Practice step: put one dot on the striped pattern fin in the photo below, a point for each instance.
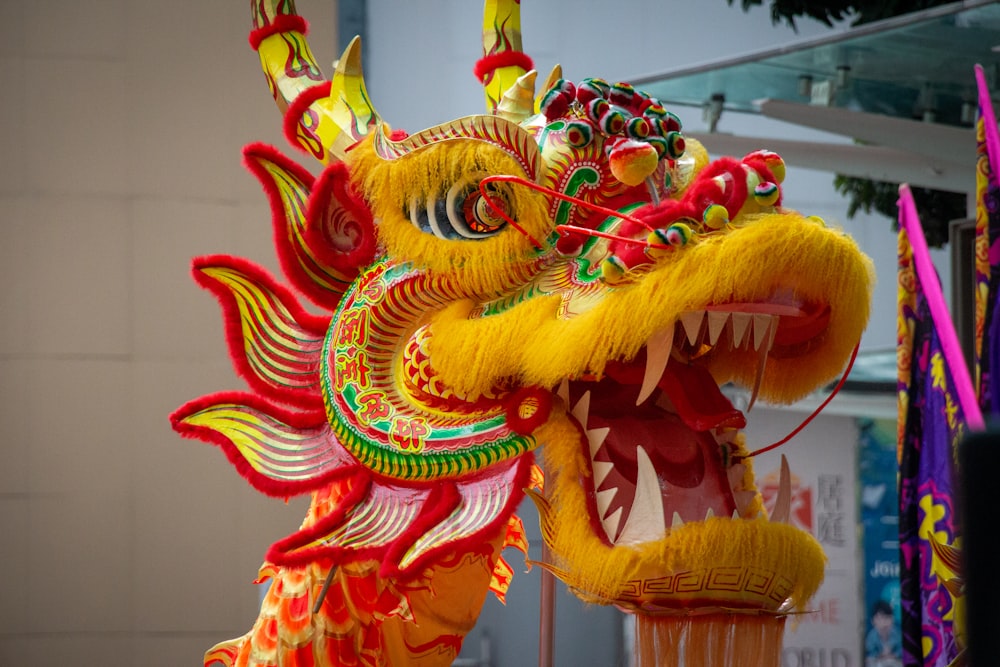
(279, 452)
(484, 502)
(380, 519)
(504, 134)
(288, 186)
(275, 344)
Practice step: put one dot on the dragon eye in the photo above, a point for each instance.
(479, 215)
(463, 213)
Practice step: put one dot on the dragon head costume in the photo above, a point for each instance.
(564, 274)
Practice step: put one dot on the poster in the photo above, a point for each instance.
(823, 462)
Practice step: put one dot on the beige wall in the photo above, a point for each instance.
(121, 124)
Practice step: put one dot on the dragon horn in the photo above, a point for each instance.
(554, 76)
(503, 61)
(518, 103)
(325, 124)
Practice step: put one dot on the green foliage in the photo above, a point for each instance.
(830, 11)
(936, 208)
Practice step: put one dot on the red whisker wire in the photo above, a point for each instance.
(498, 210)
(819, 408)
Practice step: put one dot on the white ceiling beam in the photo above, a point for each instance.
(932, 140)
(861, 161)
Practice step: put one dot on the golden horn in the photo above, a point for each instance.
(501, 34)
(327, 125)
(348, 108)
(518, 103)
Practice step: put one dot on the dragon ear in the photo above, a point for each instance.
(322, 231)
(339, 226)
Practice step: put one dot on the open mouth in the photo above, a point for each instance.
(661, 433)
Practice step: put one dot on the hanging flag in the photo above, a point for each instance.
(987, 345)
(937, 407)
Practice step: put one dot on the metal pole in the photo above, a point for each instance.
(547, 613)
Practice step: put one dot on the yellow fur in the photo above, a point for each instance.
(481, 267)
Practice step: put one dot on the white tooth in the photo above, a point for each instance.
(736, 515)
(601, 470)
(726, 436)
(692, 324)
(743, 500)
(596, 438)
(610, 524)
(735, 474)
(581, 410)
(769, 343)
(563, 391)
(716, 324)
(709, 514)
(645, 521)
(761, 363)
(677, 521)
(741, 323)
(761, 329)
(783, 503)
(657, 354)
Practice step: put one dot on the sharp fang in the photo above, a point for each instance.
(736, 515)
(784, 501)
(692, 324)
(716, 325)
(709, 514)
(595, 437)
(563, 391)
(741, 323)
(581, 411)
(761, 363)
(657, 354)
(646, 520)
(762, 325)
(610, 524)
(677, 521)
(735, 475)
(743, 500)
(601, 470)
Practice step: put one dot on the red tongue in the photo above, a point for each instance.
(697, 398)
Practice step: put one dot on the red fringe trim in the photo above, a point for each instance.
(333, 187)
(282, 23)
(314, 324)
(286, 254)
(485, 65)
